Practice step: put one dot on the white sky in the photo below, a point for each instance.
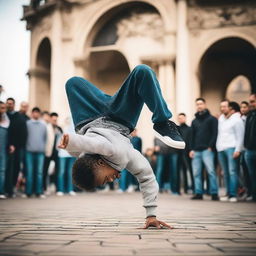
(14, 50)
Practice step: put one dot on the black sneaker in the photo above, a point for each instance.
(197, 197)
(215, 197)
(168, 133)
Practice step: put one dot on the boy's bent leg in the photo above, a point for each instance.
(141, 86)
(86, 101)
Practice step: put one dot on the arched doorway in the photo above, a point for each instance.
(43, 75)
(222, 62)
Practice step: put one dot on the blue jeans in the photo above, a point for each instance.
(34, 173)
(205, 157)
(168, 162)
(3, 158)
(160, 167)
(126, 180)
(174, 172)
(250, 159)
(230, 167)
(64, 177)
(87, 102)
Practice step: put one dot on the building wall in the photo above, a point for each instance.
(173, 42)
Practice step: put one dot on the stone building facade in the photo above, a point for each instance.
(196, 47)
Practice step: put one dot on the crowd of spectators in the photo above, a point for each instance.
(220, 151)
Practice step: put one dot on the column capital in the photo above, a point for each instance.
(158, 59)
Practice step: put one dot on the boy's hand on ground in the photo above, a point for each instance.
(153, 222)
(64, 141)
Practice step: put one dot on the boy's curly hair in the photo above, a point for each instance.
(83, 172)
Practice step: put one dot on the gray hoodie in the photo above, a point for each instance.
(111, 141)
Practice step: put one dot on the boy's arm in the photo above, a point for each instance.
(76, 144)
(141, 169)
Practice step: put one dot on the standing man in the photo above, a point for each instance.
(24, 106)
(17, 138)
(246, 183)
(35, 149)
(51, 153)
(204, 134)
(229, 146)
(4, 124)
(184, 161)
(250, 143)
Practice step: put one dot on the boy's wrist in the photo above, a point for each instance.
(150, 211)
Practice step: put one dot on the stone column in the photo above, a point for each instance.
(183, 94)
(166, 79)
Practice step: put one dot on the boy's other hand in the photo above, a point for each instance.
(64, 141)
(153, 222)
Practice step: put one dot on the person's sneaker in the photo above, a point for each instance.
(197, 197)
(119, 191)
(3, 197)
(215, 197)
(249, 198)
(168, 133)
(224, 198)
(42, 196)
(130, 189)
(72, 193)
(233, 199)
(59, 193)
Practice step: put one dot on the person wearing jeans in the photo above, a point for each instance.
(65, 163)
(204, 133)
(4, 124)
(250, 144)
(34, 174)
(229, 146)
(64, 176)
(35, 149)
(167, 166)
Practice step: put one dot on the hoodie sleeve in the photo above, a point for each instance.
(87, 144)
(141, 169)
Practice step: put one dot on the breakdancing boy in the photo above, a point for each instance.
(103, 124)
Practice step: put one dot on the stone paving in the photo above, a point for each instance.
(110, 224)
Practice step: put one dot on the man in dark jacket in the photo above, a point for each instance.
(17, 138)
(204, 134)
(250, 143)
(184, 161)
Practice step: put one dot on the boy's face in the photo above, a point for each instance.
(105, 173)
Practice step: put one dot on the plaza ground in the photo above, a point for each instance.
(109, 224)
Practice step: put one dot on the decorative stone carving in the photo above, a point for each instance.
(205, 18)
(141, 24)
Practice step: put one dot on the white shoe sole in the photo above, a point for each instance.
(169, 142)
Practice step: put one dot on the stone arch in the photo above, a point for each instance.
(224, 60)
(42, 75)
(87, 25)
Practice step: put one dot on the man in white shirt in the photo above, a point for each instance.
(229, 146)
